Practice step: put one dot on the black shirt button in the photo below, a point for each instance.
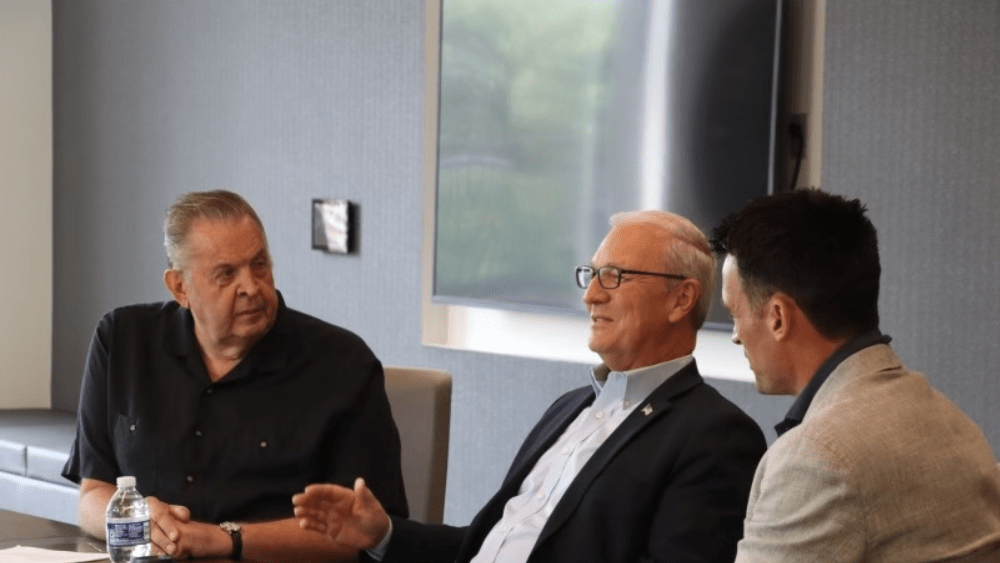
(190, 478)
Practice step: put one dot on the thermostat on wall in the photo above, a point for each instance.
(332, 223)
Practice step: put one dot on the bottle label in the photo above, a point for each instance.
(125, 533)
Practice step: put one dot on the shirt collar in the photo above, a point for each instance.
(638, 383)
(797, 412)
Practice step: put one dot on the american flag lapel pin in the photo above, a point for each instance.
(647, 410)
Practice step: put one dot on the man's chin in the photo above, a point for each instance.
(596, 346)
(764, 386)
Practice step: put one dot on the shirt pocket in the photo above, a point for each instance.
(137, 452)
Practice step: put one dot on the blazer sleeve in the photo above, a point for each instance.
(414, 542)
(803, 508)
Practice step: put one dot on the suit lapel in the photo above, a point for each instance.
(546, 435)
(538, 442)
(655, 406)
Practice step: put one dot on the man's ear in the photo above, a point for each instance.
(684, 298)
(174, 280)
(781, 315)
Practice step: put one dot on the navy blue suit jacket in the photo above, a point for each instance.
(670, 485)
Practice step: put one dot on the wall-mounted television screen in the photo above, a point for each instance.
(555, 115)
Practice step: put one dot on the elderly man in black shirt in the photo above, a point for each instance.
(225, 402)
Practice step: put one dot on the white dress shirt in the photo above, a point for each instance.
(618, 394)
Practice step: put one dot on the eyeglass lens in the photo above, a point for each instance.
(608, 277)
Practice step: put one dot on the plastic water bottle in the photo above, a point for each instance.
(127, 520)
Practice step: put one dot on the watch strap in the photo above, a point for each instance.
(237, 536)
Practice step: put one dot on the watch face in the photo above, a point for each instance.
(230, 527)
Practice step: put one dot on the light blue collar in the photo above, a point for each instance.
(634, 385)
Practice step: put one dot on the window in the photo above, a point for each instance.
(555, 115)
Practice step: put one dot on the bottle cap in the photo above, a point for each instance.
(125, 482)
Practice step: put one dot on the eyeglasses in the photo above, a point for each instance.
(610, 277)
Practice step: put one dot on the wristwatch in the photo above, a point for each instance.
(234, 532)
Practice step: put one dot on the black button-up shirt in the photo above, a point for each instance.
(306, 405)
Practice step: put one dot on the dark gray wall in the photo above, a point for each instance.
(912, 126)
(285, 101)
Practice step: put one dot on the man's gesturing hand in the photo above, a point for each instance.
(354, 518)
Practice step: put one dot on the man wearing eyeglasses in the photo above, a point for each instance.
(645, 463)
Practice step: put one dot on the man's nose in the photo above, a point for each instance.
(595, 292)
(248, 284)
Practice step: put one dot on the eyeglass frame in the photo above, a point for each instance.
(595, 273)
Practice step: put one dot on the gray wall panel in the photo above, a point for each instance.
(912, 126)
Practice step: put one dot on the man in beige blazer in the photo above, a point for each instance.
(871, 463)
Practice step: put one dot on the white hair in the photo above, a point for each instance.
(687, 253)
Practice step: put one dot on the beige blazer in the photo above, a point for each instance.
(882, 469)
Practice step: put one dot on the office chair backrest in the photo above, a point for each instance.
(421, 405)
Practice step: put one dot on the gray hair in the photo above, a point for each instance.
(216, 205)
(688, 252)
